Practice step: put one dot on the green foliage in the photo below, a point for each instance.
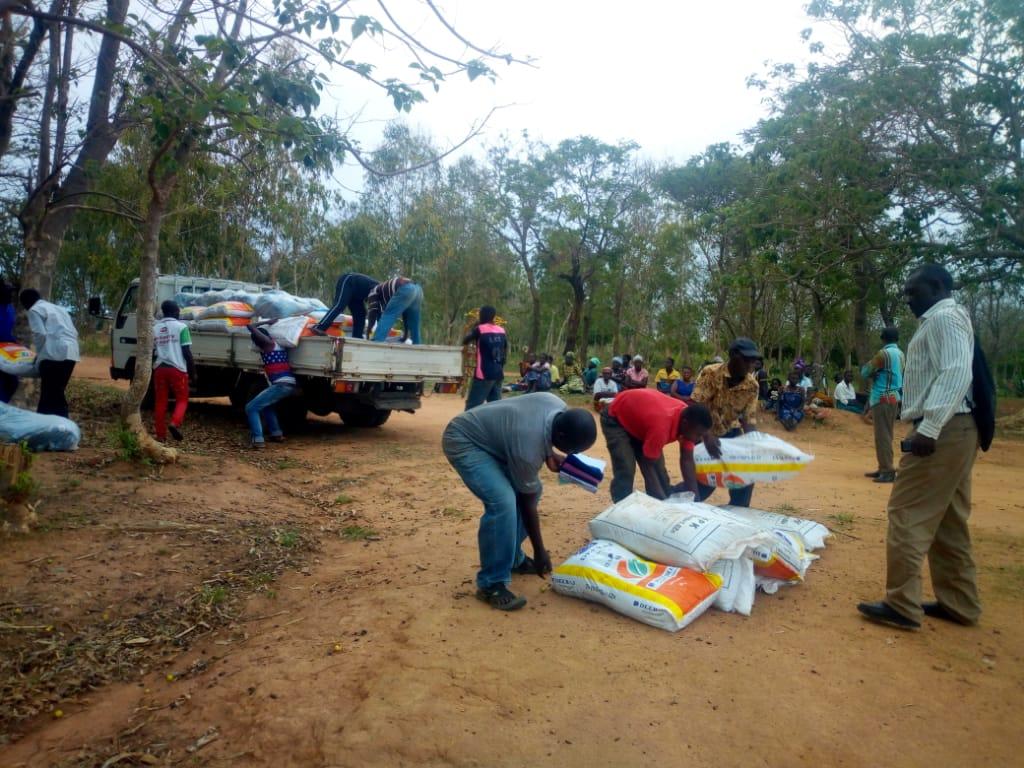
(127, 444)
(357, 533)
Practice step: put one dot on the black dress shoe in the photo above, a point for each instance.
(938, 611)
(876, 473)
(885, 477)
(881, 613)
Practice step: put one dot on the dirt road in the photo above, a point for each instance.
(377, 654)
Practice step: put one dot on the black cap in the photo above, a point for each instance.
(745, 347)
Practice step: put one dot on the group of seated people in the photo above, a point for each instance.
(799, 396)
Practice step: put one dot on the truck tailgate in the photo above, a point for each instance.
(371, 361)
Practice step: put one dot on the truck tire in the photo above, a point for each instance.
(364, 417)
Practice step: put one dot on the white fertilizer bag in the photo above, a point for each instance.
(287, 332)
(690, 535)
(813, 533)
(785, 559)
(277, 304)
(660, 595)
(738, 585)
(755, 457)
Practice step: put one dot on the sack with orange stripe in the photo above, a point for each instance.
(664, 596)
(755, 457)
(16, 360)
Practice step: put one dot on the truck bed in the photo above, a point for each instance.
(338, 359)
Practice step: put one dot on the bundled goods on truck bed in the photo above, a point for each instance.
(274, 305)
(224, 324)
(40, 432)
(214, 297)
(662, 541)
(755, 457)
(663, 596)
(239, 309)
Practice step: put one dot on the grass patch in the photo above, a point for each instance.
(842, 519)
(287, 463)
(454, 513)
(343, 498)
(126, 443)
(213, 595)
(286, 539)
(785, 509)
(357, 533)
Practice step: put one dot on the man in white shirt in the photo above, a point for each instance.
(56, 342)
(845, 395)
(931, 498)
(605, 388)
(172, 369)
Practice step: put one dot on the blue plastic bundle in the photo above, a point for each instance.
(39, 431)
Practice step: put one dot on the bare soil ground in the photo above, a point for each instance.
(312, 605)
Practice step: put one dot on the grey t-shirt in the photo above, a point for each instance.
(516, 432)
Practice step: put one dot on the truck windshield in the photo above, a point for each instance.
(127, 306)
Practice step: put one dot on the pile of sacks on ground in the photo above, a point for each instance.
(232, 310)
(667, 562)
(38, 431)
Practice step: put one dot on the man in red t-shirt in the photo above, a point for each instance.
(637, 425)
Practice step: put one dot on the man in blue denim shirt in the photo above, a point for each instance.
(498, 449)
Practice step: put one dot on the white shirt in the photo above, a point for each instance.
(53, 334)
(169, 336)
(939, 368)
(845, 392)
(601, 386)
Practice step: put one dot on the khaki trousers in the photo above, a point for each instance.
(883, 417)
(928, 511)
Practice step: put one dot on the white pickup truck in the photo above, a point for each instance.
(361, 381)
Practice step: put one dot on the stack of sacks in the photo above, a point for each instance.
(214, 297)
(738, 549)
(585, 471)
(755, 457)
(225, 316)
(342, 326)
(188, 314)
(275, 305)
(16, 360)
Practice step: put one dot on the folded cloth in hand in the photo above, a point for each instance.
(583, 470)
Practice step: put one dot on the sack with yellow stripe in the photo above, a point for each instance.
(755, 457)
(663, 596)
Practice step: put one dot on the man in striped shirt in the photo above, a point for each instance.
(931, 499)
(398, 297)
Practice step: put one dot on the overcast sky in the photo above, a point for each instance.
(668, 74)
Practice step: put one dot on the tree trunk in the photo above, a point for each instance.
(585, 341)
(620, 297)
(572, 331)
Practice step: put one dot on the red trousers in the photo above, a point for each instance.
(169, 379)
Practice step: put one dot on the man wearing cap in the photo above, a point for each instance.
(637, 426)
(729, 390)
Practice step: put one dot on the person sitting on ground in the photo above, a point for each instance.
(591, 372)
(845, 396)
(556, 376)
(497, 451)
(538, 379)
(173, 367)
(618, 372)
(806, 383)
(572, 381)
(350, 292)
(281, 384)
(491, 352)
(682, 388)
(605, 389)
(397, 298)
(664, 378)
(791, 402)
(527, 362)
(637, 426)
(636, 376)
(761, 374)
(774, 393)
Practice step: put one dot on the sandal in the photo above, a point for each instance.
(526, 568)
(501, 598)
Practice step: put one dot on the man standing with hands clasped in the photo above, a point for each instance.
(931, 498)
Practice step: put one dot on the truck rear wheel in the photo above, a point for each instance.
(364, 417)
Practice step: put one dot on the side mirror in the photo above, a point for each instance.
(95, 306)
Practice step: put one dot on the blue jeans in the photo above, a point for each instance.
(483, 390)
(407, 304)
(501, 531)
(264, 403)
(738, 497)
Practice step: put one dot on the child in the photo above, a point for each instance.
(791, 402)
